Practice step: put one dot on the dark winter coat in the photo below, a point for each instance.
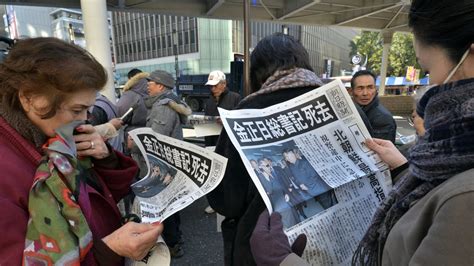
(227, 100)
(381, 120)
(167, 114)
(135, 90)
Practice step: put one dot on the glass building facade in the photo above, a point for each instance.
(187, 45)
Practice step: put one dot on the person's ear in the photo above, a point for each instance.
(350, 91)
(24, 101)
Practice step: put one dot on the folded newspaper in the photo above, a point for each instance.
(178, 174)
(308, 160)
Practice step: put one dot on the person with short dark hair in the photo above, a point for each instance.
(427, 218)
(277, 59)
(364, 94)
(60, 181)
(133, 72)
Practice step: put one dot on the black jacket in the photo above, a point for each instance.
(381, 120)
(227, 100)
(236, 197)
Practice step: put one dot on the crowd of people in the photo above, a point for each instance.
(67, 158)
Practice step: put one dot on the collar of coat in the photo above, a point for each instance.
(134, 80)
(372, 104)
(287, 79)
(217, 99)
(169, 98)
(18, 121)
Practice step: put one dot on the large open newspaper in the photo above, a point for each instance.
(308, 160)
(178, 174)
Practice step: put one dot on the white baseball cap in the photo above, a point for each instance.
(215, 77)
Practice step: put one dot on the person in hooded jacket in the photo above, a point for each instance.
(166, 115)
(134, 93)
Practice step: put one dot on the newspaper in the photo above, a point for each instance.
(178, 174)
(308, 160)
(205, 125)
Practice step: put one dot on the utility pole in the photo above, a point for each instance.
(175, 51)
(246, 47)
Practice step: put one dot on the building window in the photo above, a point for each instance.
(193, 40)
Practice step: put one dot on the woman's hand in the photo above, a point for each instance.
(116, 122)
(90, 143)
(133, 240)
(269, 244)
(387, 152)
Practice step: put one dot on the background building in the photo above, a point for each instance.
(66, 24)
(177, 44)
(186, 45)
(26, 21)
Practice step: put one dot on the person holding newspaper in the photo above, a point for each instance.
(166, 115)
(280, 70)
(60, 181)
(427, 218)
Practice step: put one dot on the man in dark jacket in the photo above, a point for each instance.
(220, 97)
(364, 94)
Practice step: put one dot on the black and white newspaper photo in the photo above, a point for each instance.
(308, 160)
(178, 174)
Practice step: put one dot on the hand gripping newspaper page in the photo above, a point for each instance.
(308, 160)
(178, 174)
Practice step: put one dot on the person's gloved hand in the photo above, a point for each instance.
(269, 244)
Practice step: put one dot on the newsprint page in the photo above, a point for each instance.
(308, 160)
(178, 174)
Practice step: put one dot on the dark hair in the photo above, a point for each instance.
(444, 23)
(362, 73)
(276, 52)
(48, 67)
(133, 72)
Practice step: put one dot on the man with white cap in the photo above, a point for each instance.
(220, 97)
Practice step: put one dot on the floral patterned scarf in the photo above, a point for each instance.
(57, 231)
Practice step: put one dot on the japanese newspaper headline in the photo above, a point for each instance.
(308, 160)
(178, 174)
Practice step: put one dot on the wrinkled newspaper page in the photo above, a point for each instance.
(308, 160)
(178, 174)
